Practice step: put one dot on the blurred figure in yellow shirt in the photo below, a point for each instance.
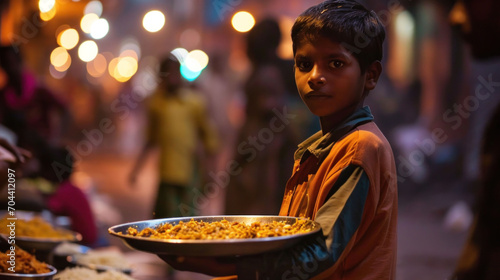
(177, 122)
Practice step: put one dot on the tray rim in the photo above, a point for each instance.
(52, 272)
(195, 241)
(138, 243)
(77, 237)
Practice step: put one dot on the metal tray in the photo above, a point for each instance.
(18, 276)
(210, 248)
(43, 244)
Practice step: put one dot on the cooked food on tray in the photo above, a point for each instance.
(36, 228)
(83, 273)
(25, 263)
(200, 230)
(215, 236)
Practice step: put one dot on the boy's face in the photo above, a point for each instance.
(329, 78)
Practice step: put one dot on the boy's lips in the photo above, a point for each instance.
(316, 94)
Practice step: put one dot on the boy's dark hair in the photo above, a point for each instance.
(344, 21)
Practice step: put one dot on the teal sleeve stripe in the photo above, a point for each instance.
(350, 218)
(345, 174)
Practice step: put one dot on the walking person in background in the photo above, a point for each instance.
(224, 99)
(177, 122)
(262, 157)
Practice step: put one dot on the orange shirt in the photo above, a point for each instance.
(346, 181)
(352, 193)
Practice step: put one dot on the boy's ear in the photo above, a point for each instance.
(373, 72)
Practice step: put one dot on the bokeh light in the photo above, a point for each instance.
(199, 57)
(48, 15)
(46, 5)
(87, 21)
(93, 7)
(190, 38)
(130, 45)
(56, 74)
(88, 51)
(65, 66)
(68, 38)
(122, 68)
(59, 56)
(243, 21)
(188, 74)
(180, 54)
(99, 28)
(60, 29)
(97, 67)
(127, 67)
(153, 21)
(112, 66)
(130, 53)
(405, 24)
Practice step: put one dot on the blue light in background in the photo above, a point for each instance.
(188, 74)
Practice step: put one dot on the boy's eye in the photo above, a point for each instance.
(304, 65)
(336, 64)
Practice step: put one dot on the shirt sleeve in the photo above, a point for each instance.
(339, 217)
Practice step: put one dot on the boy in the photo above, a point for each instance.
(344, 176)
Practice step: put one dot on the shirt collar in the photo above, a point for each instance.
(320, 145)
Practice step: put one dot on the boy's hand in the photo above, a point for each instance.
(206, 265)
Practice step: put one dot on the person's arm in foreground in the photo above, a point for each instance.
(11, 157)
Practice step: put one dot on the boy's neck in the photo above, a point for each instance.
(328, 123)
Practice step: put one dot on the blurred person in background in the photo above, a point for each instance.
(28, 108)
(177, 123)
(224, 100)
(479, 23)
(67, 199)
(264, 146)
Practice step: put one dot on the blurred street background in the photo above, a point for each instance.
(94, 64)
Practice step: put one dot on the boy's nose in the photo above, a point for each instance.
(316, 78)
